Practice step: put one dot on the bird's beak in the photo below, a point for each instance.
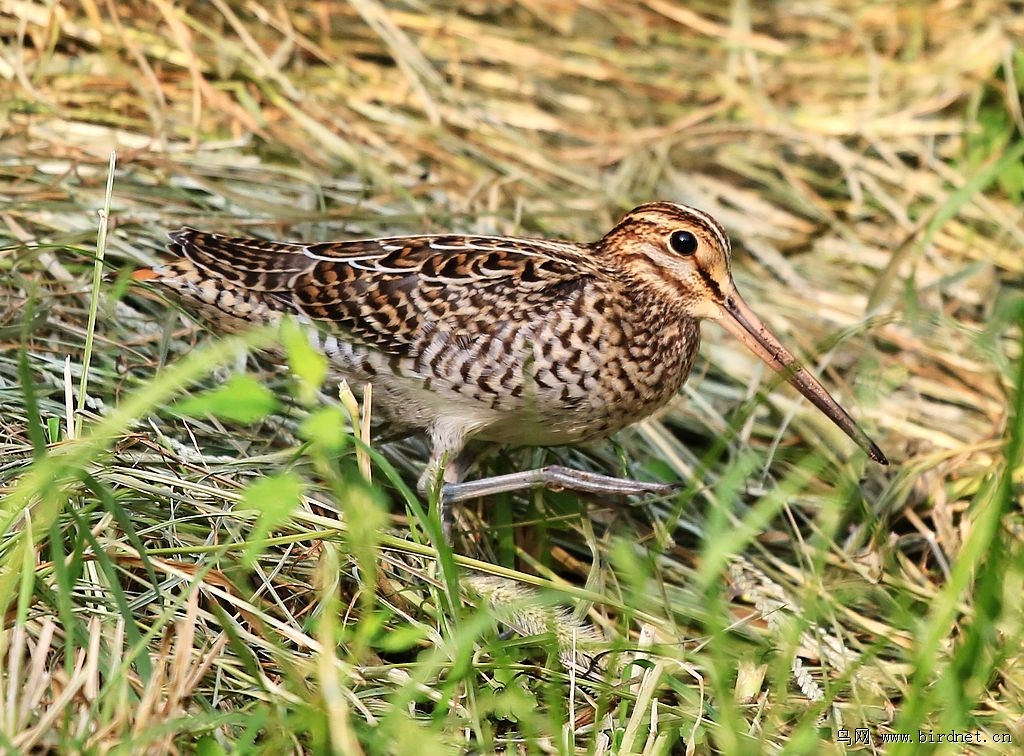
(739, 320)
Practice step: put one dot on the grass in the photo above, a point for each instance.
(198, 569)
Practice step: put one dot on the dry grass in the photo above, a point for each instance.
(183, 582)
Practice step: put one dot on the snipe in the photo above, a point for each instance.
(508, 340)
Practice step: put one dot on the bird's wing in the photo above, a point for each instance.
(385, 292)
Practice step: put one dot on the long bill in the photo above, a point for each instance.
(739, 320)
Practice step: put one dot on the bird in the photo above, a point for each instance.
(508, 340)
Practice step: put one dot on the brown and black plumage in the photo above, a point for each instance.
(511, 340)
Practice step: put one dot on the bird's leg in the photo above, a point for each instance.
(447, 450)
(555, 478)
(454, 468)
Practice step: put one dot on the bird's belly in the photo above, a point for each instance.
(538, 394)
(559, 416)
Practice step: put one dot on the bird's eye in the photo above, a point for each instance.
(683, 243)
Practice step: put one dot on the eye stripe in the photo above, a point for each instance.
(711, 283)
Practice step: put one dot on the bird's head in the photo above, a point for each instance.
(681, 255)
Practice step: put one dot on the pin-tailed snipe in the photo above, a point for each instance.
(509, 340)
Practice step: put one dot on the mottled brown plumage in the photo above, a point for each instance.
(516, 341)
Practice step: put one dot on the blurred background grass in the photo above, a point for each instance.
(191, 582)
